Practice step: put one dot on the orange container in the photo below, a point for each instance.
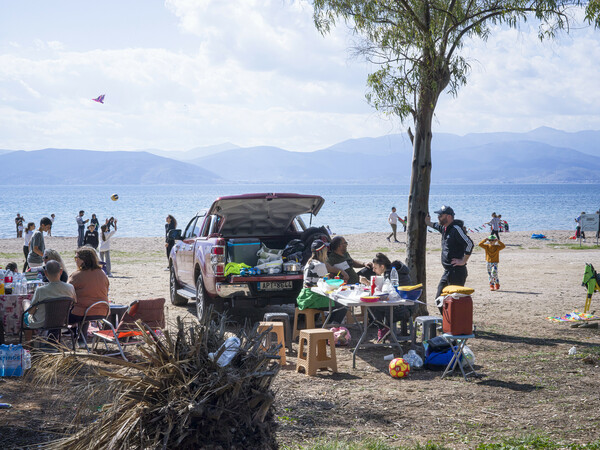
(457, 315)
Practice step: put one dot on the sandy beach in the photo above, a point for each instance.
(528, 382)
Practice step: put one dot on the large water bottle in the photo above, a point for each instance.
(394, 277)
(232, 347)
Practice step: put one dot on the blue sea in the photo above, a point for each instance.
(141, 210)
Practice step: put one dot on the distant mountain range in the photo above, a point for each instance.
(544, 155)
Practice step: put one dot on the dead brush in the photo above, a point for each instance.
(175, 397)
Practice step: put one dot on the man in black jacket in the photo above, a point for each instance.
(456, 248)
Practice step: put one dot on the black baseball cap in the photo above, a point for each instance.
(445, 210)
(318, 245)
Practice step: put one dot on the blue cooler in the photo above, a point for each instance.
(243, 250)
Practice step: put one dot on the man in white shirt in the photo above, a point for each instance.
(393, 221)
(54, 289)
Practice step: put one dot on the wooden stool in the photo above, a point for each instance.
(277, 328)
(309, 318)
(314, 357)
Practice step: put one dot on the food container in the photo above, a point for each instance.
(292, 267)
(335, 282)
(369, 299)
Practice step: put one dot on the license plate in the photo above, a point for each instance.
(274, 285)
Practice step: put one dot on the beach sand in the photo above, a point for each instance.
(528, 382)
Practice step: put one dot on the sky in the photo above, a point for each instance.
(180, 74)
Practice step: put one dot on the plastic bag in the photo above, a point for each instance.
(230, 347)
(11, 360)
(469, 355)
(413, 359)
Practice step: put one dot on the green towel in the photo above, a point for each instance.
(233, 268)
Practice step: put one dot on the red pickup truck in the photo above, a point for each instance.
(233, 229)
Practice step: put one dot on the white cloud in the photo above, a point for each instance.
(261, 75)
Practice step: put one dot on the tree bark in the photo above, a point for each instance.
(418, 201)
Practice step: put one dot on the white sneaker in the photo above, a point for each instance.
(110, 275)
(166, 269)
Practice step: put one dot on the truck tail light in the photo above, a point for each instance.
(217, 257)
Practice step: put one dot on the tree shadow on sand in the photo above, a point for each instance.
(518, 387)
(541, 341)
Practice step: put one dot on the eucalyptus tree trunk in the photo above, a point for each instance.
(433, 83)
(418, 201)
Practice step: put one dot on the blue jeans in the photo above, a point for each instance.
(81, 231)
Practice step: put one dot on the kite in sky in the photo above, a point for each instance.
(100, 99)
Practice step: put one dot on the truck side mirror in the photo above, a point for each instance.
(175, 235)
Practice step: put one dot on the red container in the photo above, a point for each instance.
(457, 314)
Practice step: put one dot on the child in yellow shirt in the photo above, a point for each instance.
(492, 246)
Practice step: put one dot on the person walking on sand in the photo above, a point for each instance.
(81, 228)
(456, 248)
(35, 258)
(104, 246)
(492, 246)
(19, 221)
(393, 221)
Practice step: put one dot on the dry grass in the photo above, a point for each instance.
(175, 396)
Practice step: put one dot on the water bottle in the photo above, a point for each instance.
(232, 346)
(394, 277)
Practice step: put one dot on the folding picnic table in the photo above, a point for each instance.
(351, 298)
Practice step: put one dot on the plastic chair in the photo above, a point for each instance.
(150, 312)
(56, 315)
(87, 319)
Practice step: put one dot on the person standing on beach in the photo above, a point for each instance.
(495, 224)
(35, 258)
(26, 239)
(456, 248)
(91, 237)
(492, 246)
(94, 221)
(81, 228)
(393, 221)
(104, 247)
(578, 231)
(19, 220)
(404, 222)
(52, 217)
(171, 224)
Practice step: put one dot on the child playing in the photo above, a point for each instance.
(492, 246)
(91, 237)
(104, 248)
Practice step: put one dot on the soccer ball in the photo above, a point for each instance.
(114, 197)
(399, 368)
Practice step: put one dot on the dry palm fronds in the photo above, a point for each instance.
(176, 397)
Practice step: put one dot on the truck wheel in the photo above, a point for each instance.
(176, 299)
(202, 301)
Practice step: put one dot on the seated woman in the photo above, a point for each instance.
(53, 255)
(316, 268)
(383, 266)
(91, 286)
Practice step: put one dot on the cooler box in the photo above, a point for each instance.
(457, 315)
(243, 250)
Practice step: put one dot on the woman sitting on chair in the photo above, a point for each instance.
(315, 268)
(91, 286)
(382, 266)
